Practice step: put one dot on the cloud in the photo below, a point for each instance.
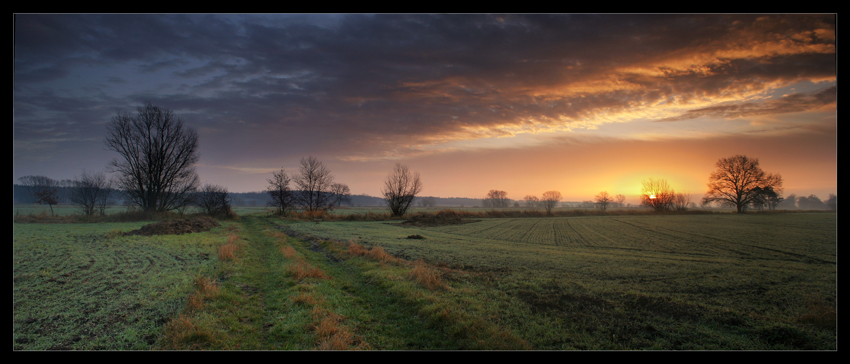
(388, 86)
(787, 104)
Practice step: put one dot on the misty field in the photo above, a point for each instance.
(616, 282)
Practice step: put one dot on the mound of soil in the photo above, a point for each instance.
(176, 227)
(445, 217)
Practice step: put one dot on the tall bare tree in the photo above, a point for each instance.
(620, 200)
(400, 189)
(739, 181)
(549, 200)
(44, 190)
(603, 199)
(91, 190)
(314, 185)
(158, 154)
(282, 196)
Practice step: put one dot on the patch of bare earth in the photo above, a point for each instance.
(176, 227)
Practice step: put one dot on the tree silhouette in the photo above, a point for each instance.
(603, 199)
(282, 196)
(314, 185)
(91, 189)
(739, 181)
(400, 189)
(158, 155)
(549, 200)
(657, 194)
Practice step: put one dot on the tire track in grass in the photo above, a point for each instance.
(575, 236)
(376, 302)
(525, 236)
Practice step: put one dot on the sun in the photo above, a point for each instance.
(652, 196)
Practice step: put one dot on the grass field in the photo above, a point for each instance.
(617, 282)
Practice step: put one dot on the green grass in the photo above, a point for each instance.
(618, 282)
(77, 286)
(718, 281)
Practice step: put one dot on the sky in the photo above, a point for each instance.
(524, 103)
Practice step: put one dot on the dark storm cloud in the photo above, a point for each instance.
(399, 80)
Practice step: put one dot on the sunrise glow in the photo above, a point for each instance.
(520, 103)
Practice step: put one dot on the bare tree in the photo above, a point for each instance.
(314, 185)
(681, 201)
(342, 194)
(531, 201)
(214, 200)
(736, 180)
(400, 189)
(44, 190)
(603, 199)
(549, 200)
(657, 194)
(496, 198)
(620, 200)
(91, 190)
(282, 196)
(158, 156)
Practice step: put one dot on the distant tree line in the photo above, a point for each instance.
(155, 171)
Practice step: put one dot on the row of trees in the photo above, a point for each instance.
(158, 154)
(737, 182)
(315, 190)
(659, 196)
(91, 191)
(499, 198)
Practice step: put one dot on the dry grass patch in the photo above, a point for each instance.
(232, 238)
(183, 330)
(425, 276)
(301, 269)
(377, 253)
(307, 298)
(227, 251)
(356, 249)
(205, 288)
(332, 335)
(288, 252)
